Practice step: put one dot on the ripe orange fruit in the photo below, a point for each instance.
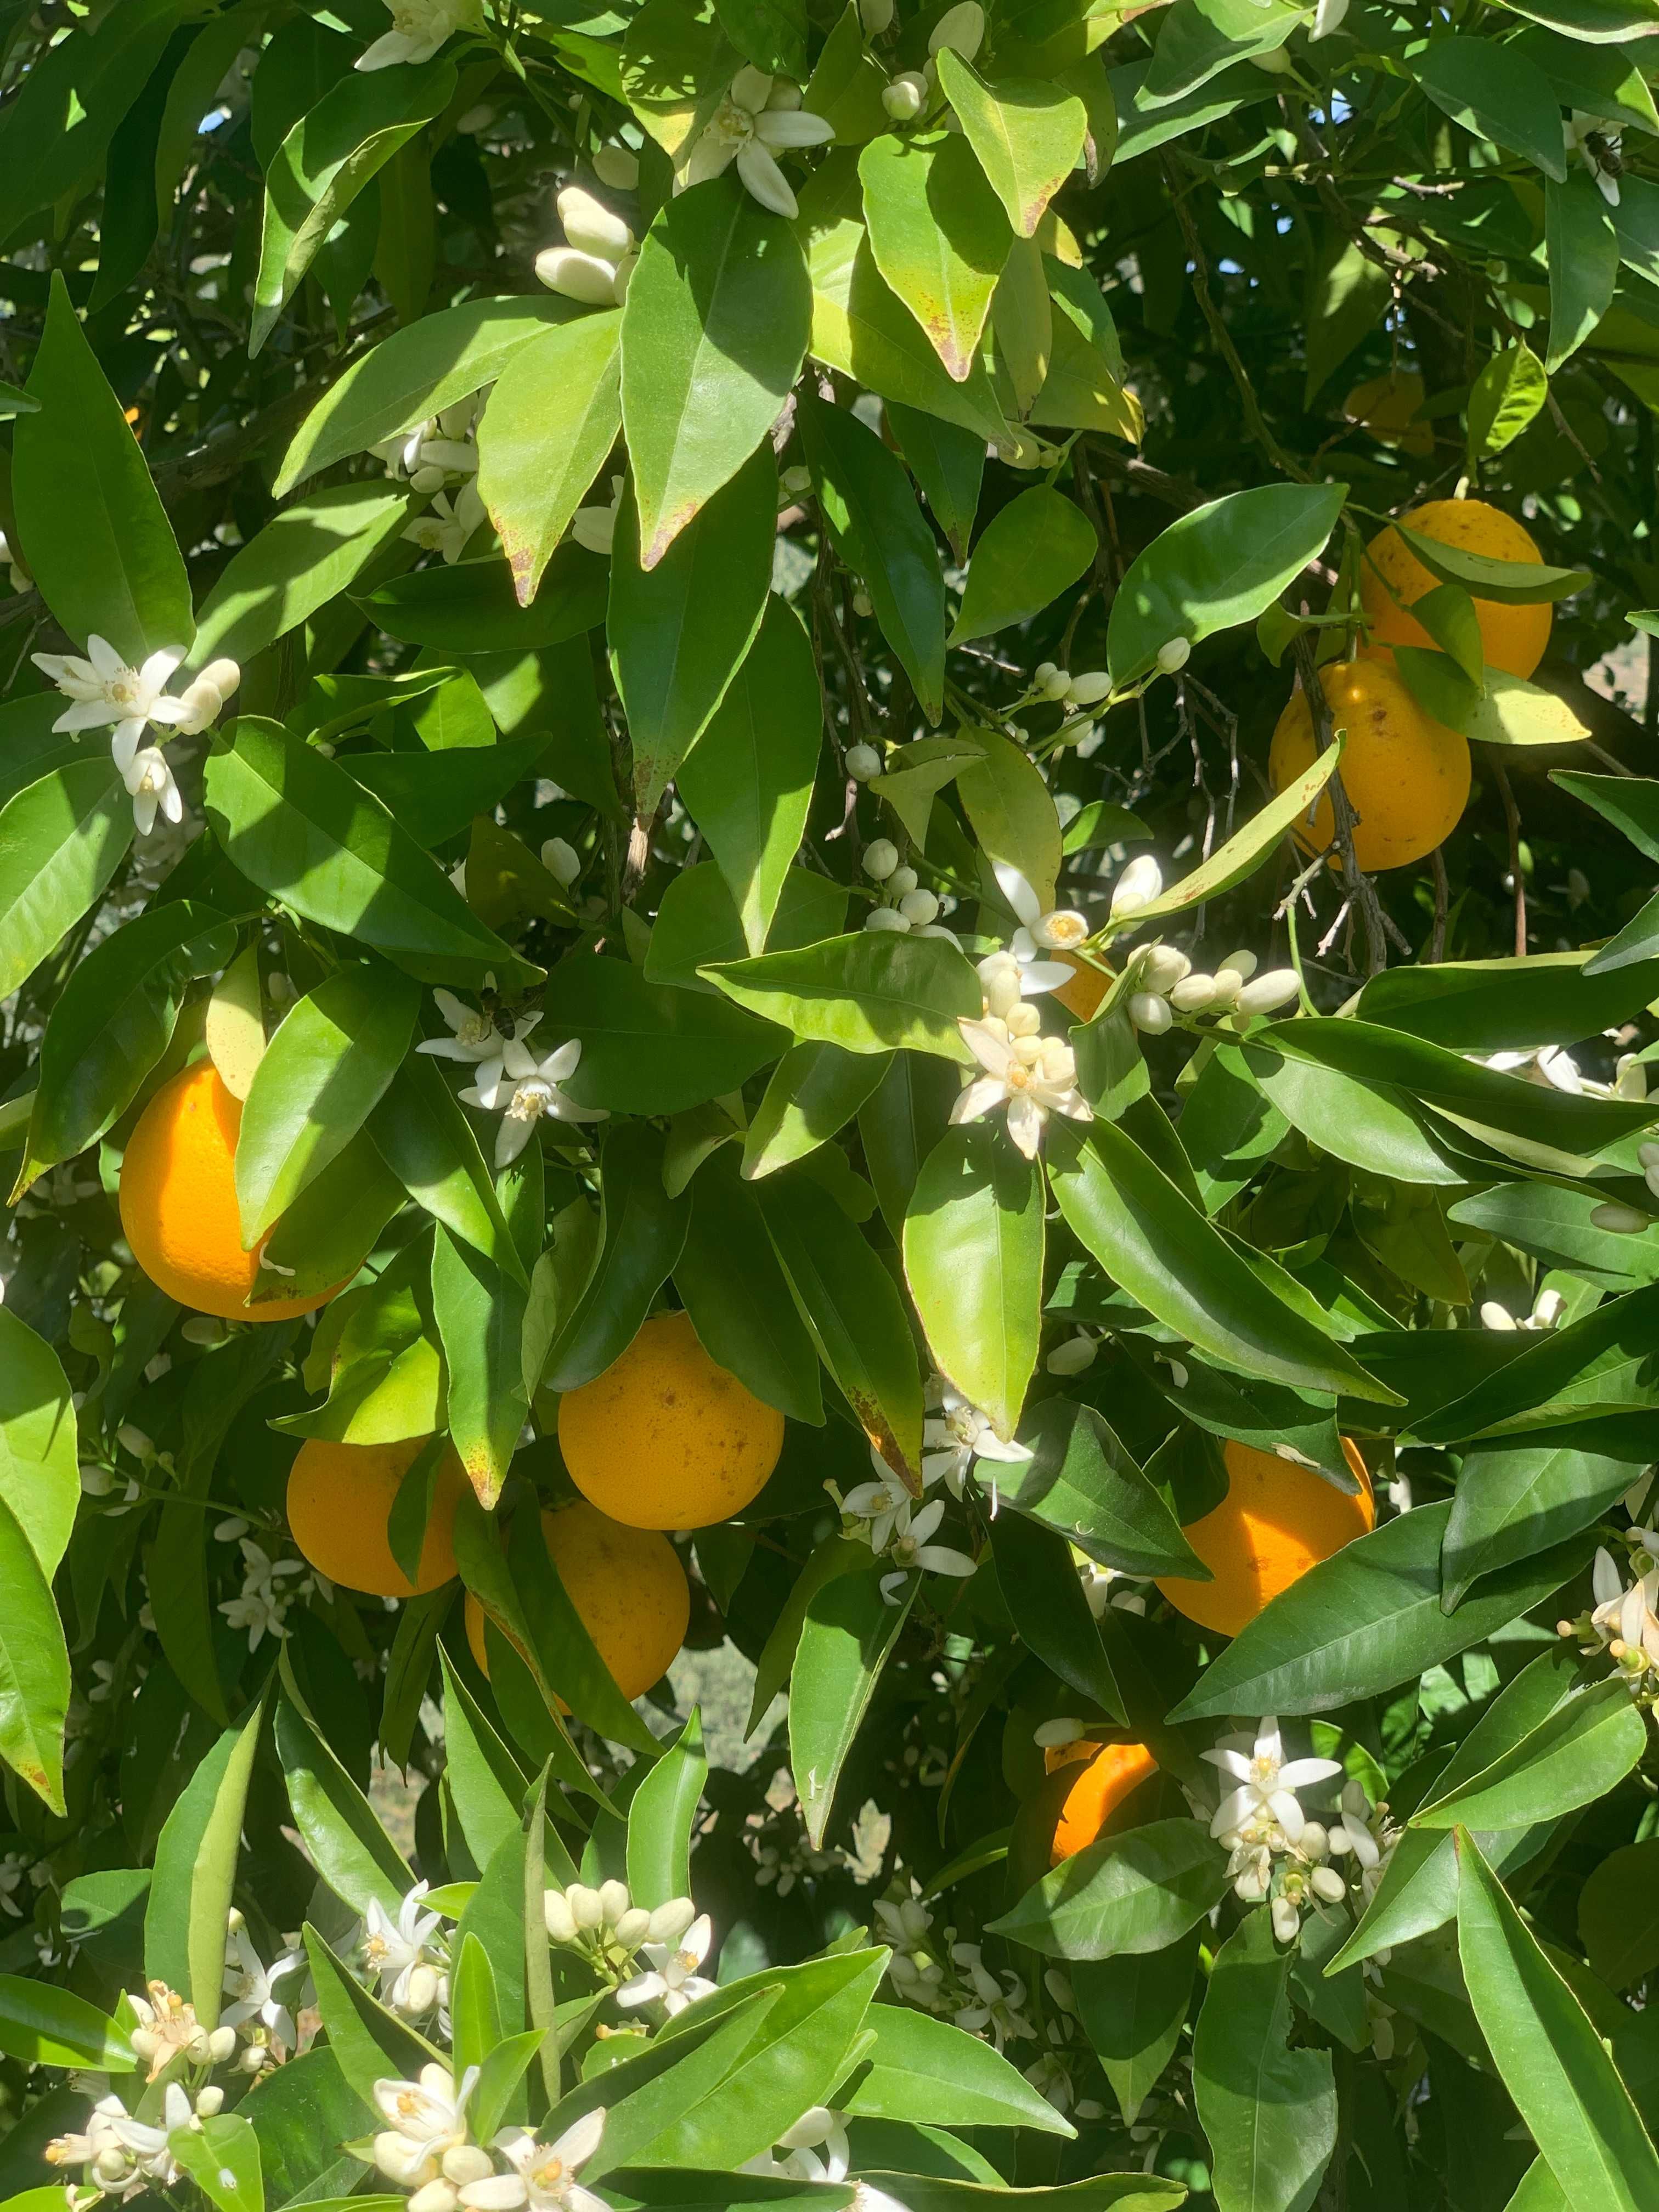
(1082, 994)
(1514, 638)
(628, 1586)
(1406, 775)
(1103, 1783)
(339, 1498)
(1386, 406)
(665, 1439)
(177, 1202)
(1276, 1520)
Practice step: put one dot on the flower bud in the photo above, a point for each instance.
(998, 978)
(887, 918)
(1174, 654)
(1193, 993)
(919, 908)
(1051, 681)
(434, 2197)
(1161, 968)
(615, 166)
(623, 276)
(1493, 1316)
(577, 275)
(453, 455)
(863, 606)
(562, 861)
(465, 2162)
(669, 1922)
(1225, 985)
(1243, 964)
(875, 15)
(220, 2044)
(1276, 988)
(1621, 1221)
(587, 1906)
(1150, 1012)
(225, 676)
(880, 858)
(590, 227)
(961, 28)
(1089, 688)
(1549, 1309)
(863, 762)
(614, 1901)
(633, 1928)
(1049, 1736)
(422, 1989)
(1629, 1080)
(902, 98)
(555, 1911)
(1138, 886)
(1023, 1020)
(210, 2100)
(1328, 1885)
(1287, 1921)
(903, 882)
(1073, 1355)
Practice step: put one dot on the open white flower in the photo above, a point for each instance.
(526, 1088)
(1032, 1076)
(425, 2120)
(411, 1968)
(543, 2176)
(1327, 17)
(671, 1978)
(956, 1436)
(419, 27)
(1595, 142)
(1057, 929)
(102, 690)
(997, 2007)
(751, 125)
(477, 1041)
(910, 1548)
(447, 527)
(250, 1985)
(168, 2029)
(1625, 1619)
(1267, 1783)
(154, 789)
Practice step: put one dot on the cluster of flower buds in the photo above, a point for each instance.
(121, 2156)
(1060, 688)
(168, 2029)
(905, 905)
(438, 454)
(606, 1924)
(595, 265)
(1166, 984)
(1548, 1309)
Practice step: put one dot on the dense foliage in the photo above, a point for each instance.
(747, 902)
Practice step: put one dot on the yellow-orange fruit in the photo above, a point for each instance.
(339, 1498)
(1100, 1787)
(1407, 775)
(665, 1439)
(1276, 1520)
(1512, 638)
(1082, 994)
(1386, 406)
(626, 1585)
(177, 1202)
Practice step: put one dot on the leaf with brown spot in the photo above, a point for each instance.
(939, 237)
(552, 418)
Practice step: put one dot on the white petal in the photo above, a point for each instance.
(766, 182)
(978, 1098)
(940, 1561)
(784, 127)
(1025, 1120)
(1232, 1811)
(642, 1990)
(989, 1446)
(1036, 977)
(1298, 1774)
(1016, 889)
(923, 1522)
(87, 714)
(563, 1062)
(104, 658)
(511, 1139)
(990, 1048)
(581, 2139)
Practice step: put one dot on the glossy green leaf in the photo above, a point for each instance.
(423, 1135)
(875, 991)
(643, 1232)
(370, 2043)
(480, 1315)
(713, 334)
(660, 1820)
(343, 1834)
(1028, 136)
(973, 1259)
(1081, 1481)
(61, 840)
(1269, 2111)
(1511, 583)
(1583, 1750)
(95, 533)
(195, 1877)
(938, 236)
(1132, 2009)
(1011, 808)
(1134, 1893)
(698, 925)
(1583, 258)
(680, 630)
(305, 555)
(221, 2154)
(1516, 1499)
(1599, 1365)
(1029, 553)
(1494, 91)
(1511, 389)
(46, 2026)
(733, 1287)
(814, 1090)
(39, 1478)
(846, 1639)
(552, 419)
(934, 2075)
(474, 606)
(949, 463)
(648, 1048)
(1047, 1605)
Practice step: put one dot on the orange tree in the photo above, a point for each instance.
(827, 951)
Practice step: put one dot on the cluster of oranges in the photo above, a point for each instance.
(1407, 775)
(663, 1439)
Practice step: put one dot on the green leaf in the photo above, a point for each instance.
(195, 1877)
(1081, 1481)
(1583, 258)
(486, 1783)
(933, 2075)
(297, 825)
(680, 630)
(814, 1090)
(1157, 1245)
(1216, 567)
(47, 2027)
(1517, 1499)
(973, 1259)
(847, 83)
(322, 1075)
(303, 557)
(1552, 2063)
(1196, 42)
(660, 1819)
(1510, 583)
(1134, 1893)
(1494, 91)
(713, 334)
(480, 1315)
(323, 164)
(642, 1235)
(370, 2042)
(1050, 1613)
(34, 1670)
(1486, 1006)
(748, 784)
(342, 1833)
(875, 991)
(61, 840)
(938, 236)
(697, 924)
(1367, 1618)
(221, 2153)
(474, 607)
(949, 463)
(552, 419)
(1599, 1365)
(1618, 1915)
(1583, 1750)
(1269, 2112)
(1134, 2009)
(425, 1138)
(1506, 397)
(96, 537)
(1028, 136)
(39, 1475)
(1011, 808)
(648, 1048)
(738, 1298)
(1028, 554)
(879, 532)
(111, 1025)
(854, 1312)
(946, 2193)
